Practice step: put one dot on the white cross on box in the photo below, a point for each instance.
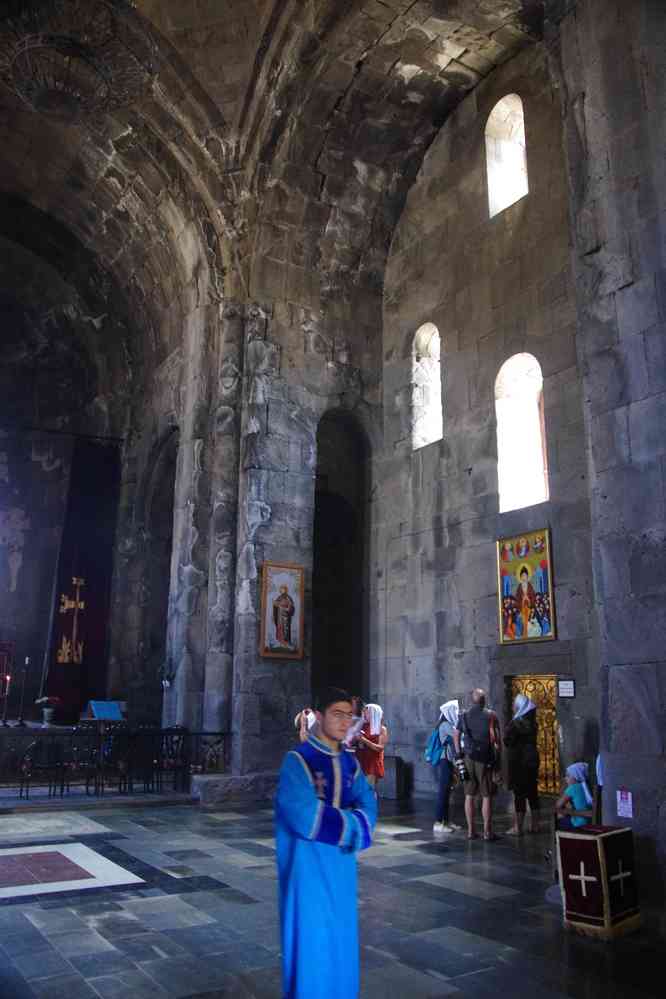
(583, 878)
(620, 876)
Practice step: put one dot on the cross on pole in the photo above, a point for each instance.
(321, 784)
(71, 650)
(620, 876)
(583, 878)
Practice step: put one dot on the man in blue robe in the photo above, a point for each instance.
(325, 811)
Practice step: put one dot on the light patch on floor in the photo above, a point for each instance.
(473, 887)
(42, 825)
(388, 829)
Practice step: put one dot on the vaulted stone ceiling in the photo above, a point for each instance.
(311, 113)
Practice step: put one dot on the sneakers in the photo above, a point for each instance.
(441, 828)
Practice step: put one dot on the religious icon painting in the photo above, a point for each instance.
(526, 608)
(281, 611)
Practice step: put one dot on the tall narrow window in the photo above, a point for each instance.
(522, 468)
(505, 154)
(427, 387)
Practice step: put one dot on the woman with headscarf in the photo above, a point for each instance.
(371, 742)
(448, 720)
(520, 740)
(574, 807)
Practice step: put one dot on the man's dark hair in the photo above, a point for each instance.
(330, 695)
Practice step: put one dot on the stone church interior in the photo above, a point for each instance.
(332, 352)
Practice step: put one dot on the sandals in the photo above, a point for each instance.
(490, 838)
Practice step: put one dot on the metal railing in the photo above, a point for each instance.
(97, 757)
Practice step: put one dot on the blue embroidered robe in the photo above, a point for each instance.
(325, 811)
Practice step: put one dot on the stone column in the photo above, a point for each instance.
(188, 604)
(266, 692)
(128, 572)
(612, 61)
(225, 434)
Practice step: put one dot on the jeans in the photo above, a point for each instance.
(445, 775)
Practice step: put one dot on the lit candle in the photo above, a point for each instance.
(8, 680)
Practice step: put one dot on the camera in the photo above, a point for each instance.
(461, 769)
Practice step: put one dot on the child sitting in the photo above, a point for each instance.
(574, 807)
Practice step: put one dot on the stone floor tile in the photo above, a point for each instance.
(203, 940)
(63, 987)
(42, 964)
(74, 943)
(181, 977)
(25, 942)
(128, 983)
(101, 963)
(13, 985)
(55, 920)
(468, 886)
(149, 947)
(118, 923)
(398, 980)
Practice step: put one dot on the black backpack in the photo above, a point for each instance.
(480, 752)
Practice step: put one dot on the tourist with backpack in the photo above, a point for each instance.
(477, 739)
(441, 754)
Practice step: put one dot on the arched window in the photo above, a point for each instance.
(505, 154)
(427, 387)
(522, 467)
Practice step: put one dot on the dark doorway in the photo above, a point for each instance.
(339, 614)
(158, 578)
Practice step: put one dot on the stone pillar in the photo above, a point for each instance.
(612, 61)
(266, 692)
(188, 604)
(128, 572)
(225, 433)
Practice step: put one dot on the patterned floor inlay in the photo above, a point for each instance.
(40, 870)
(47, 867)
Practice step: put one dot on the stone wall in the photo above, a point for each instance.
(493, 287)
(615, 141)
(34, 479)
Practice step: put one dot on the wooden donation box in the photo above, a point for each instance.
(598, 880)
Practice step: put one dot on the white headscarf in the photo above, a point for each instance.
(375, 715)
(353, 731)
(522, 706)
(450, 711)
(310, 718)
(579, 772)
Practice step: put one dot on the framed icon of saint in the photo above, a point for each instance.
(281, 632)
(525, 588)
